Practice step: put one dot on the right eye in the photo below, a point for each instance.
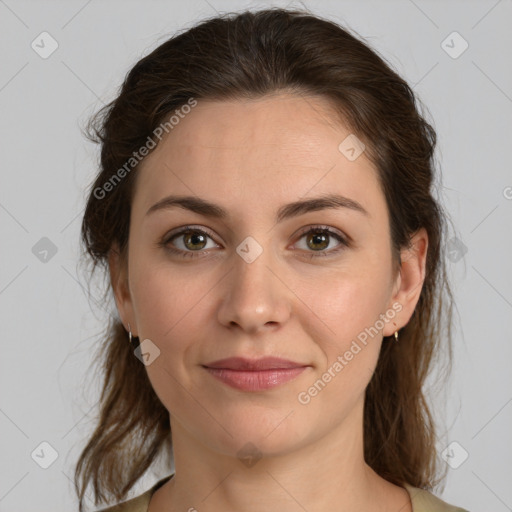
(188, 237)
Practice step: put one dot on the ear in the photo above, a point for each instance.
(409, 282)
(118, 267)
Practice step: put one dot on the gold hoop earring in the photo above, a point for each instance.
(131, 338)
(396, 335)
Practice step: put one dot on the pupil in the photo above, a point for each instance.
(318, 239)
(193, 238)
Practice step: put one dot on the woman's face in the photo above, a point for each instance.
(253, 283)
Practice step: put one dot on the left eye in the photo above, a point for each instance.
(318, 239)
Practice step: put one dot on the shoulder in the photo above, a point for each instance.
(139, 503)
(424, 501)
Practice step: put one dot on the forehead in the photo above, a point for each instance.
(274, 149)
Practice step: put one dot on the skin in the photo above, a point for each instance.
(251, 157)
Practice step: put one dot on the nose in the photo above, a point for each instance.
(254, 295)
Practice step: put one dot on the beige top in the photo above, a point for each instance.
(422, 501)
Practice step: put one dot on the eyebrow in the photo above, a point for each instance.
(208, 209)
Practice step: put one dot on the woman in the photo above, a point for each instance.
(264, 212)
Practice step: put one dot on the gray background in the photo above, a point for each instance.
(49, 327)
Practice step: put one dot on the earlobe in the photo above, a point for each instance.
(410, 279)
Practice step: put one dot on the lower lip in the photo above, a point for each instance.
(255, 380)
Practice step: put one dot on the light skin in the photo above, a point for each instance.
(251, 157)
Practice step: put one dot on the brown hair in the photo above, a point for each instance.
(248, 55)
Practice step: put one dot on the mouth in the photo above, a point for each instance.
(255, 374)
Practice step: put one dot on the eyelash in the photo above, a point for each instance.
(164, 243)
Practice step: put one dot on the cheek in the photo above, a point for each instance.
(344, 321)
(172, 305)
(168, 308)
(164, 296)
(347, 344)
(345, 300)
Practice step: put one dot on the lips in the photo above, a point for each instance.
(265, 363)
(254, 374)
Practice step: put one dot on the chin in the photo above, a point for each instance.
(258, 433)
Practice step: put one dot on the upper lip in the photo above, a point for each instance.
(265, 363)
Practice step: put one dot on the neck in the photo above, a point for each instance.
(328, 473)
